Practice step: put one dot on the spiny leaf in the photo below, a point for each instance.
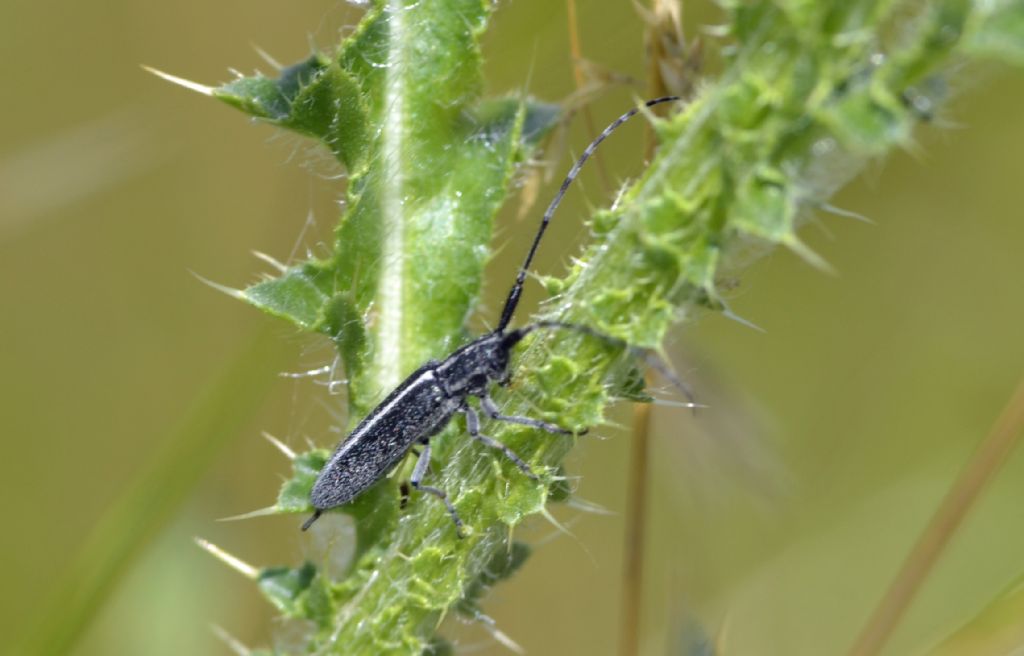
(299, 295)
(424, 184)
(315, 97)
(504, 563)
(285, 587)
(294, 494)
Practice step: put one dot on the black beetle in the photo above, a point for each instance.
(425, 402)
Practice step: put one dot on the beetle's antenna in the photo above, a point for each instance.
(517, 288)
(309, 522)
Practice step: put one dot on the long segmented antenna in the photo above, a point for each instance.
(517, 288)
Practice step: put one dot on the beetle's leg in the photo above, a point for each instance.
(492, 411)
(417, 475)
(473, 426)
(403, 496)
(403, 487)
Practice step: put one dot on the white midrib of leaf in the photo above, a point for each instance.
(388, 355)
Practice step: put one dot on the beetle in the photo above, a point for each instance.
(423, 404)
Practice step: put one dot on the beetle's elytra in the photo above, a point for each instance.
(426, 401)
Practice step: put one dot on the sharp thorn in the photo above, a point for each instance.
(233, 643)
(838, 211)
(281, 446)
(265, 56)
(262, 512)
(808, 255)
(270, 260)
(588, 506)
(729, 314)
(677, 404)
(500, 636)
(554, 522)
(180, 81)
(224, 289)
(235, 563)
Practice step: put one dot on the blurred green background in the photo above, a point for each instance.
(779, 513)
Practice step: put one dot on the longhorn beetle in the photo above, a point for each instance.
(426, 401)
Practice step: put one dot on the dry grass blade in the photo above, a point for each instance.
(636, 531)
(982, 468)
(581, 83)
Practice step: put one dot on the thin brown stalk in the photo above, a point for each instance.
(655, 82)
(636, 492)
(576, 51)
(982, 468)
(636, 531)
(667, 54)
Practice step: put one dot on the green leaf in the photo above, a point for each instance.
(299, 295)
(439, 647)
(315, 97)
(424, 184)
(630, 386)
(294, 494)
(286, 587)
(504, 562)
(269, 98)
(299, 592)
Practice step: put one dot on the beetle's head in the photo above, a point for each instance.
(493, 359)
(474, 367)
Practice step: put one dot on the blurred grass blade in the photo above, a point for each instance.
(986, 462)
(216, 417)
(89, 159)
(997, 629)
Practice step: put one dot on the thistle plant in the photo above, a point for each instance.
(809, 93)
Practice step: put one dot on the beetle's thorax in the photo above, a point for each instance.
(472, 368)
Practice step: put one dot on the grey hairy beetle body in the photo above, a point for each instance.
(423, 404)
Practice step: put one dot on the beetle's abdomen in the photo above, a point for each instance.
(416, 409)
